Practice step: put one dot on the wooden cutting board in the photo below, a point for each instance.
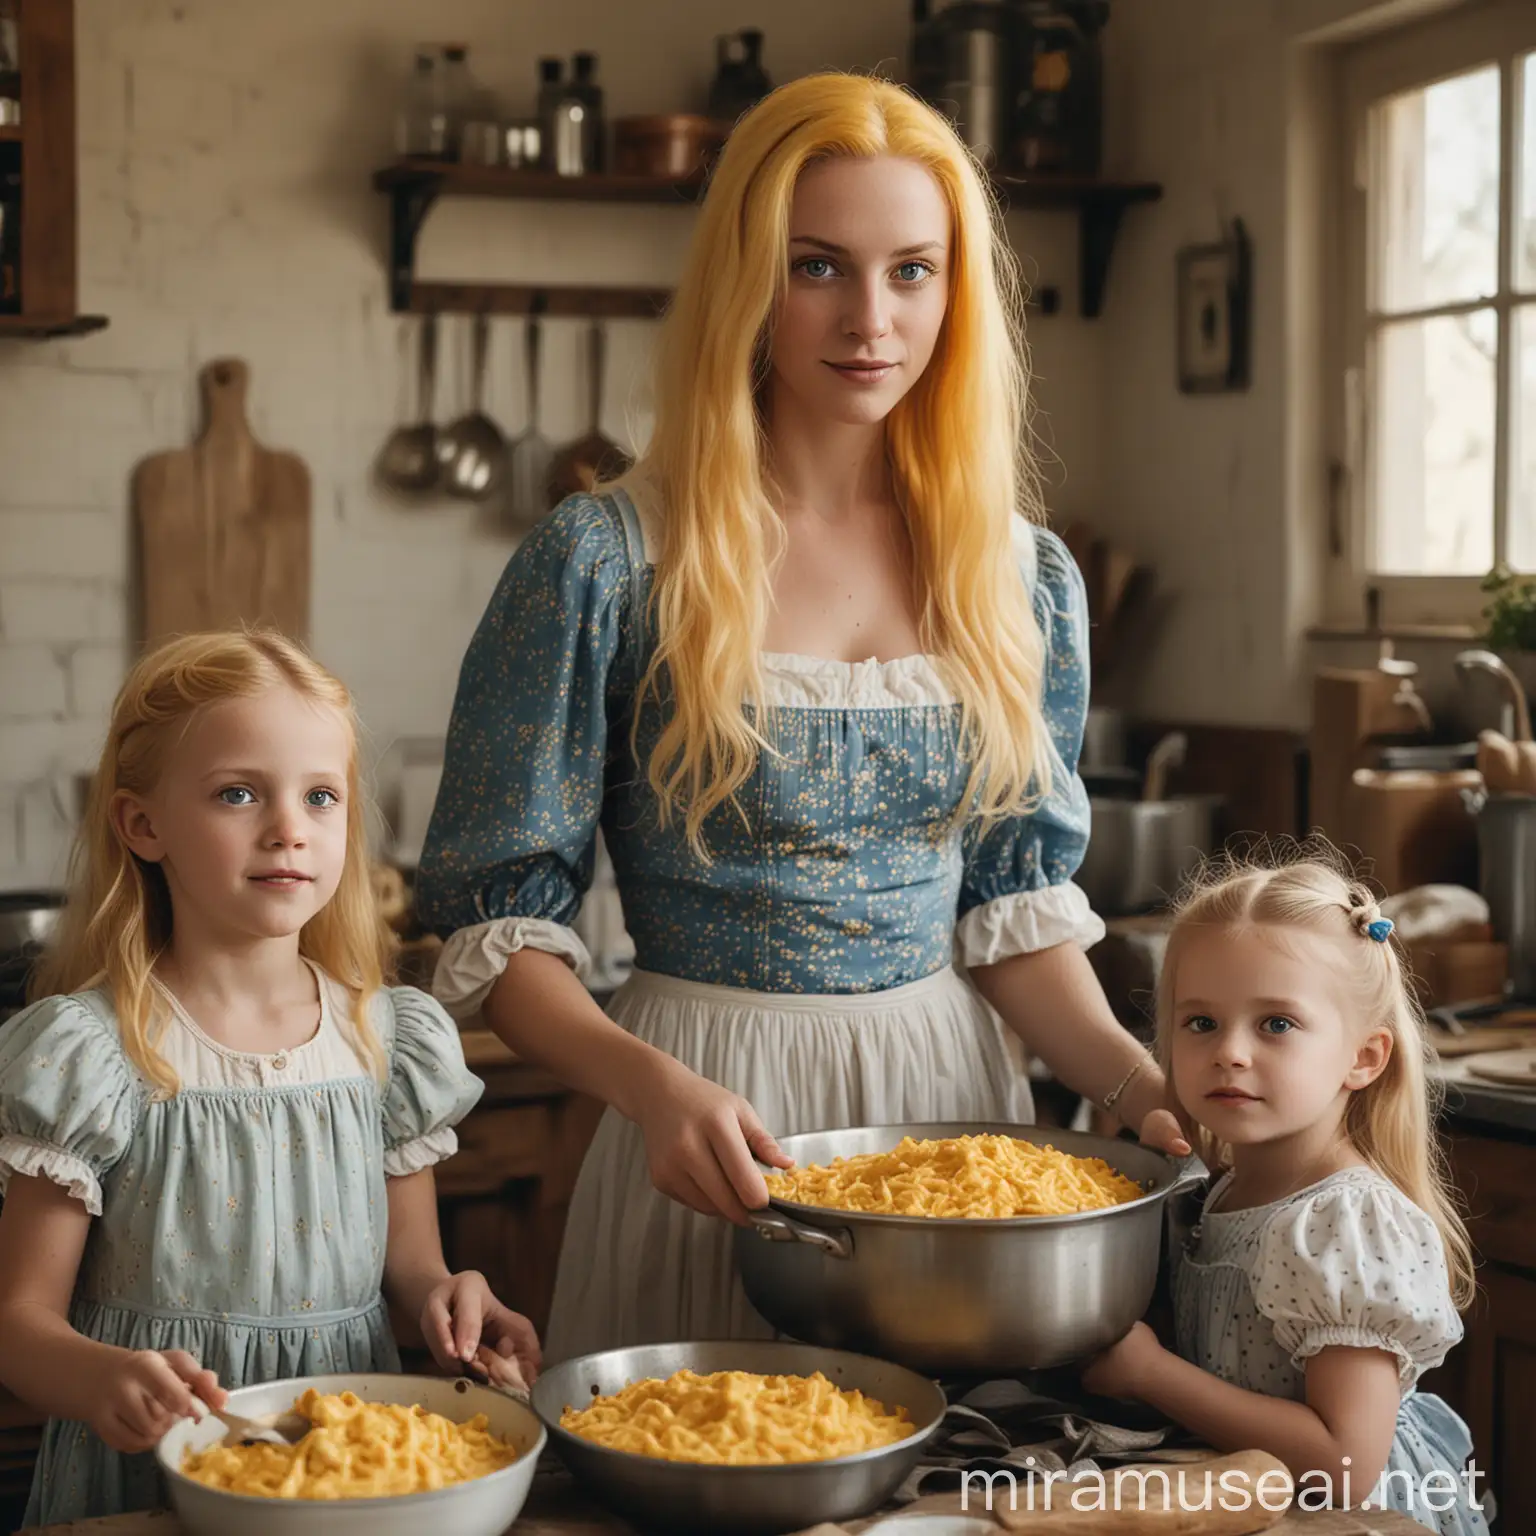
(223, 525)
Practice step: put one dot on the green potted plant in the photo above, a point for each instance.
(1510, 617)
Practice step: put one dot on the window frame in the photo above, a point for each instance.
(1497, 32)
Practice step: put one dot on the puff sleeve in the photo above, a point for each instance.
(1017, 893)
(69, 1098)
(429, 1088)
(509, 852)
(1359, 1265)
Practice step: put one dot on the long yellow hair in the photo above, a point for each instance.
(1391, 1121)
(955, 445)
(117, 920)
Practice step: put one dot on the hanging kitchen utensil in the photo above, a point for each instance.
(223, 525)
(408, 460)
(471, 452)
(592, 457)
(531, 452)
(1169, 753)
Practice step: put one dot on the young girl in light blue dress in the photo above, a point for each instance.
(217, 1133)
(1326, 1269)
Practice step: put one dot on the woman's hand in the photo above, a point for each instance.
(1121, 1370)
(700, 1141)
(464, 1324)
(1161, 1129)
(141, 1393)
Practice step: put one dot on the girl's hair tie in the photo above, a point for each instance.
(1368, 921)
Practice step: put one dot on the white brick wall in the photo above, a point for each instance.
(225, 209)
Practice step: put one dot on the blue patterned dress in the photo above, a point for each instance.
(242, 1220)
(811, 965)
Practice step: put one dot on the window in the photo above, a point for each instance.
(1439, 332)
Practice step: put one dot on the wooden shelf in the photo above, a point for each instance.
(445, 179)
(540, 299)
(40, 327)
(10, 133)
(1100, 206)
(414, 186)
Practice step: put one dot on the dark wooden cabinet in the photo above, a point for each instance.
(42, 148)
(1490, 1380)
(502, 1199)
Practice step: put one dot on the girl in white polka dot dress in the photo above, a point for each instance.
(1326, 1269)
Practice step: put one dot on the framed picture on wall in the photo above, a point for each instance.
(1213, 314)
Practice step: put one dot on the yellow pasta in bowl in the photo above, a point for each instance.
(738, 1418)
(356, 1450)
(977, 1178)
(388, 1455)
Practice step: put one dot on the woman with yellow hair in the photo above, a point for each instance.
(820, 677)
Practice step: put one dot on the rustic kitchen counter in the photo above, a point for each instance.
(557, 1508)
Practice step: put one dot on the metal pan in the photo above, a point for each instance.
(680, 1496)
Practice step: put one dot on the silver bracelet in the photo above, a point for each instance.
(1113, 1097)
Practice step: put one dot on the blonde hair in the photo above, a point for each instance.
(117, 921)
(1390, 1122)
(954, 444)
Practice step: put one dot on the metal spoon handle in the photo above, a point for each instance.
(532, 346)
(595, 361)
(482, 346)
(426, 369)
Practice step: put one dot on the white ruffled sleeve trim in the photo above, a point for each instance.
(36, 1159)
(474, 958)
(1320, 1336)
(421, 1152)
(1025, 922)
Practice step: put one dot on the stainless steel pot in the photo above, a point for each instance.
(1140, 850)
(962, 1296)
(1103, 739)
(679, 1496)
(27, 919)
(1506, 850)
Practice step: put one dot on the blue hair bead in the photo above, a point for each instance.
(1380, 929)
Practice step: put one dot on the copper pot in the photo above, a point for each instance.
(677, 144)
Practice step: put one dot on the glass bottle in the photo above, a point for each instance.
(414, 120)
(551, 89)
(458, 91)
(585, 87)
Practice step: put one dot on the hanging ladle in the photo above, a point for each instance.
(408, 459)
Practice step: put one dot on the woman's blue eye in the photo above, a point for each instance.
(914, 271)
(819, 262)
(1278, 1024)
(236, 789)
(322, 797)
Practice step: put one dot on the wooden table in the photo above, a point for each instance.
(556, 1507)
